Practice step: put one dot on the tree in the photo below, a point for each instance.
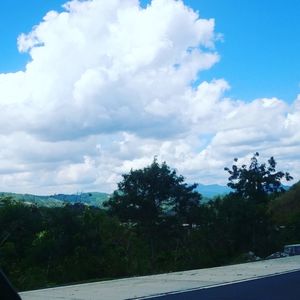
(155, 202)
(150, 195)
(253, 186)
(258, 181)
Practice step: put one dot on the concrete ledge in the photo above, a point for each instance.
(147, 286)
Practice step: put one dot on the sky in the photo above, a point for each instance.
(91, 89)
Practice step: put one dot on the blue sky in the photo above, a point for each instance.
(259, 55)
(16, 17)
(105, 86)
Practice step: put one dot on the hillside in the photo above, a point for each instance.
(286, 208)
(57, 200)
(97, 198)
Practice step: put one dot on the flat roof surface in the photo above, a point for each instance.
(147, 286)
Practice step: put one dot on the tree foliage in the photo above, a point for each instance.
(253, 188)
(150, 195)
(258, 180)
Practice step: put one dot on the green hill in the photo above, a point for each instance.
(286, 208)
(57, 200)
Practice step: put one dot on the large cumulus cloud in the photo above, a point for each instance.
(111, 84)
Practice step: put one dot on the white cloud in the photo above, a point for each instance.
(110, 85)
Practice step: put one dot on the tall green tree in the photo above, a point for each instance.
(157, 203)
(150, 195)
(253, 187)
(258, 180)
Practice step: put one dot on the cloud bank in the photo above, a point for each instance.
(111, 84)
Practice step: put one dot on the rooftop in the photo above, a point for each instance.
(147, 286)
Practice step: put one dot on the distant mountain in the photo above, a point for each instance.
(212, 190)
(57, 200)
(92, 199)
(97, 198)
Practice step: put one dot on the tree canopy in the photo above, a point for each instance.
(258, 180)
(254, 186)
(152, 194)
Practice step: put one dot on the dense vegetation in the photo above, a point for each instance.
(154, 222)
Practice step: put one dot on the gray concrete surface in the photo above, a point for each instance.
(147, 286)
